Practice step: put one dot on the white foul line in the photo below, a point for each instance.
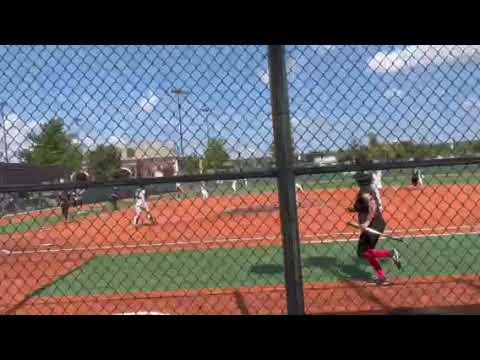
(231, 240)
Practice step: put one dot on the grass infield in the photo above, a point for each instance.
(262, 266)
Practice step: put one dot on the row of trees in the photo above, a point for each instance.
(52, 145)
(215, 157)
(403, 150)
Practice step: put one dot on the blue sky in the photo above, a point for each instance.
(122, 94)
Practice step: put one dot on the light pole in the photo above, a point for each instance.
(79, 122)
(207, 111)
(178, 93)
(4, 128)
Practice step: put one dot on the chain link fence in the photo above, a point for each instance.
(234, 179)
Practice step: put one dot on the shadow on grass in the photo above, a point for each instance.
(338, 269)
(326, 264)
(349, 273)
(267, 269)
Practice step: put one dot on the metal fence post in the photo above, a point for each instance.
(286, 179)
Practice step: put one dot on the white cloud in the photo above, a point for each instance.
(87, 142)
(265, 77)
(149, 103)
(423, 55)
(114, 140)
(393, 92)
(17, 131)
(294, 121)
(292, 71)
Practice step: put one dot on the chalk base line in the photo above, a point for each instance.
(315, 239)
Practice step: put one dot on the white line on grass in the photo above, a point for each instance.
(405, 237)
(397, 232)
(219, 241)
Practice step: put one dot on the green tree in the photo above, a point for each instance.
(476, 147)
(216, 154)
(52, 146)
(358, 152)
(191, 164)
(373, 140)
(130, 153)
(104, 162)
(403, 150)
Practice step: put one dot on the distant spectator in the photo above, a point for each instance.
(114, 198)
(64, 200)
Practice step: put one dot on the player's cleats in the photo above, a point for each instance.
(396, 259)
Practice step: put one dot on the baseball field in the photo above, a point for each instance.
(223, 255)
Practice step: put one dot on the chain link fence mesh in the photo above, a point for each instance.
(369, 105)
(142, 179)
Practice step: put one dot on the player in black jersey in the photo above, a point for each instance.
(417, 177)
(114, 197)
(65, 201)
(369, 216)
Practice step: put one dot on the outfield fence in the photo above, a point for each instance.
(250, 159)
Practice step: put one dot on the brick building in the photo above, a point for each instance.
(150, 160)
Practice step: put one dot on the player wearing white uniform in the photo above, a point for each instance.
(417, 177)
(203, 190)
(420, 178)
(299, 187)
(377, 187)
(141, 205)
(178, 188)
(234, 185)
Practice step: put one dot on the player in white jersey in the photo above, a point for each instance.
(141, 206)
(299, 187)
(203, 190)
(377, 187)
(417, 177)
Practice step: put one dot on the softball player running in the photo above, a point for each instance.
(141, 206)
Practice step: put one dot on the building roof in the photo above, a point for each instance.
(147, 150)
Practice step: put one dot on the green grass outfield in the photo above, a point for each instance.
(53, 219)
(317, 182)
(39, 222)
(224, 268)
